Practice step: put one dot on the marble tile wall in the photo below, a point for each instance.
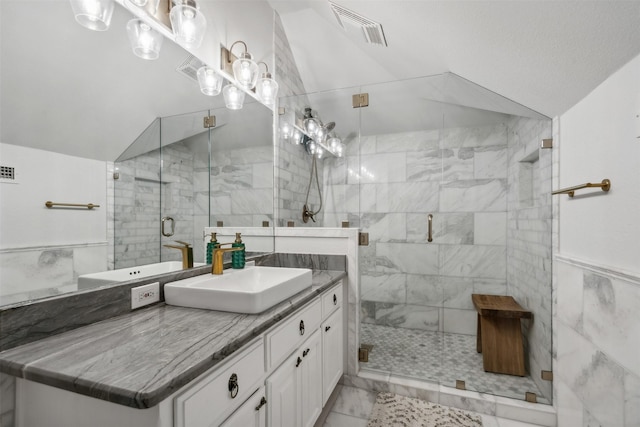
(597, 375)
(529, 216)
(237, 188)
(28, 273)
(458, 175)
(293, 164)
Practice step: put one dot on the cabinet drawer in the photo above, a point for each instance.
(282, 341)
(331, 300)
(211, 399)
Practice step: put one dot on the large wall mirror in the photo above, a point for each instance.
(78, 109)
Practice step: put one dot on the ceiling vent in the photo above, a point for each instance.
(189, 67)
(354, 22)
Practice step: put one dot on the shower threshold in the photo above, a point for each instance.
(438, 357)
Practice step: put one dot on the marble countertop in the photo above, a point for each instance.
(140, 358)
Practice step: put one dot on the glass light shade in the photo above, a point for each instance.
(296, 137)
(145, 41)
(285, 131)
(139, 2)
(93, 14)
(245, 71)
(210, 81)
(312, 147)
(233, 97)
(312, 126)
(333, 143)
(319, 152)
(188, 23)
(267, 89)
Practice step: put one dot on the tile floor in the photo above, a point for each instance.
(352, 407)
(438, 357)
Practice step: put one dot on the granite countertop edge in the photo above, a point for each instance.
(148, 396)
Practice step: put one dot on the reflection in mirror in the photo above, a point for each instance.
(193, 177)
(60, 134)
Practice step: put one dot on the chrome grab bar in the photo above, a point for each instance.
(173, 226)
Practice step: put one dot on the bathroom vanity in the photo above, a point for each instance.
(169, 366)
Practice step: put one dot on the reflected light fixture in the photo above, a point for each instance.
(245, 69)
(210, 81)
(286, 131)
(93, 14)
(188, 23)
(267, 87)
(311, 124)
(233, 97)
(140, 3)
(145, 41)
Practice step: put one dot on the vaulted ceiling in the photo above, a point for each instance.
(545, 55)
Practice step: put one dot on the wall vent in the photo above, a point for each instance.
(352, 21)
(7, 174)
(189, 67)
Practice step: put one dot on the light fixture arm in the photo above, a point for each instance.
(246, 50)
(266, 73)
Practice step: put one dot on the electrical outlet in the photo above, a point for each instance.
(145, 295)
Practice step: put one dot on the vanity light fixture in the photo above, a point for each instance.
(245, 70)
(145, 41)
(188, 23)
(93, 14)
(233, 97)
(267, 87)
(210, 81)
(312, 126)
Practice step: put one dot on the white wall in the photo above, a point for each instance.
(43, 250)
(597, 313)
(42, 176)
(597, 141)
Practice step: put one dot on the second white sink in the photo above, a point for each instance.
(250, 290)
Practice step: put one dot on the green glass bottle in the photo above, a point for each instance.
(210, 247)
(238, 258)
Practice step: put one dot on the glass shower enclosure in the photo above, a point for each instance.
(451, 184)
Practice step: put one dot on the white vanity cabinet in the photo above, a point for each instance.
(299, 388)
(294, 390)
(282, 378)
(332, 353)
(213, 398)
(252, 413)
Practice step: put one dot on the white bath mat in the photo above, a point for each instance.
(392, 410)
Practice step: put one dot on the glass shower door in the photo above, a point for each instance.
(184, 184)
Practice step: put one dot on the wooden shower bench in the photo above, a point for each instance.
(499, 335)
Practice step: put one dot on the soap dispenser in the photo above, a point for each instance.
(210, 247)
(238, 258)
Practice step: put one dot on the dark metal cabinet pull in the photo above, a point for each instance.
(335, 299)
(304, 353)
(430, 232)
(263, 402)
(326, 329)
(302, 327)
(233, 386)
(298, 362)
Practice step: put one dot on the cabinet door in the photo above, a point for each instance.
(252, 413)
(332, 346)
(311, 380)
(283, 401)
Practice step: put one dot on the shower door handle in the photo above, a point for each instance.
(430, 233)
(173, 226)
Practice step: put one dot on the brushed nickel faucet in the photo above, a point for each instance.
(187, 253)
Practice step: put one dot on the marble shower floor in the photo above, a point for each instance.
(438, 357)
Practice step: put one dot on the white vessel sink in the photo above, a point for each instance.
(250, 290)
(130, 273)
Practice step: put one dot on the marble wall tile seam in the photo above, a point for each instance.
(609, 272)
